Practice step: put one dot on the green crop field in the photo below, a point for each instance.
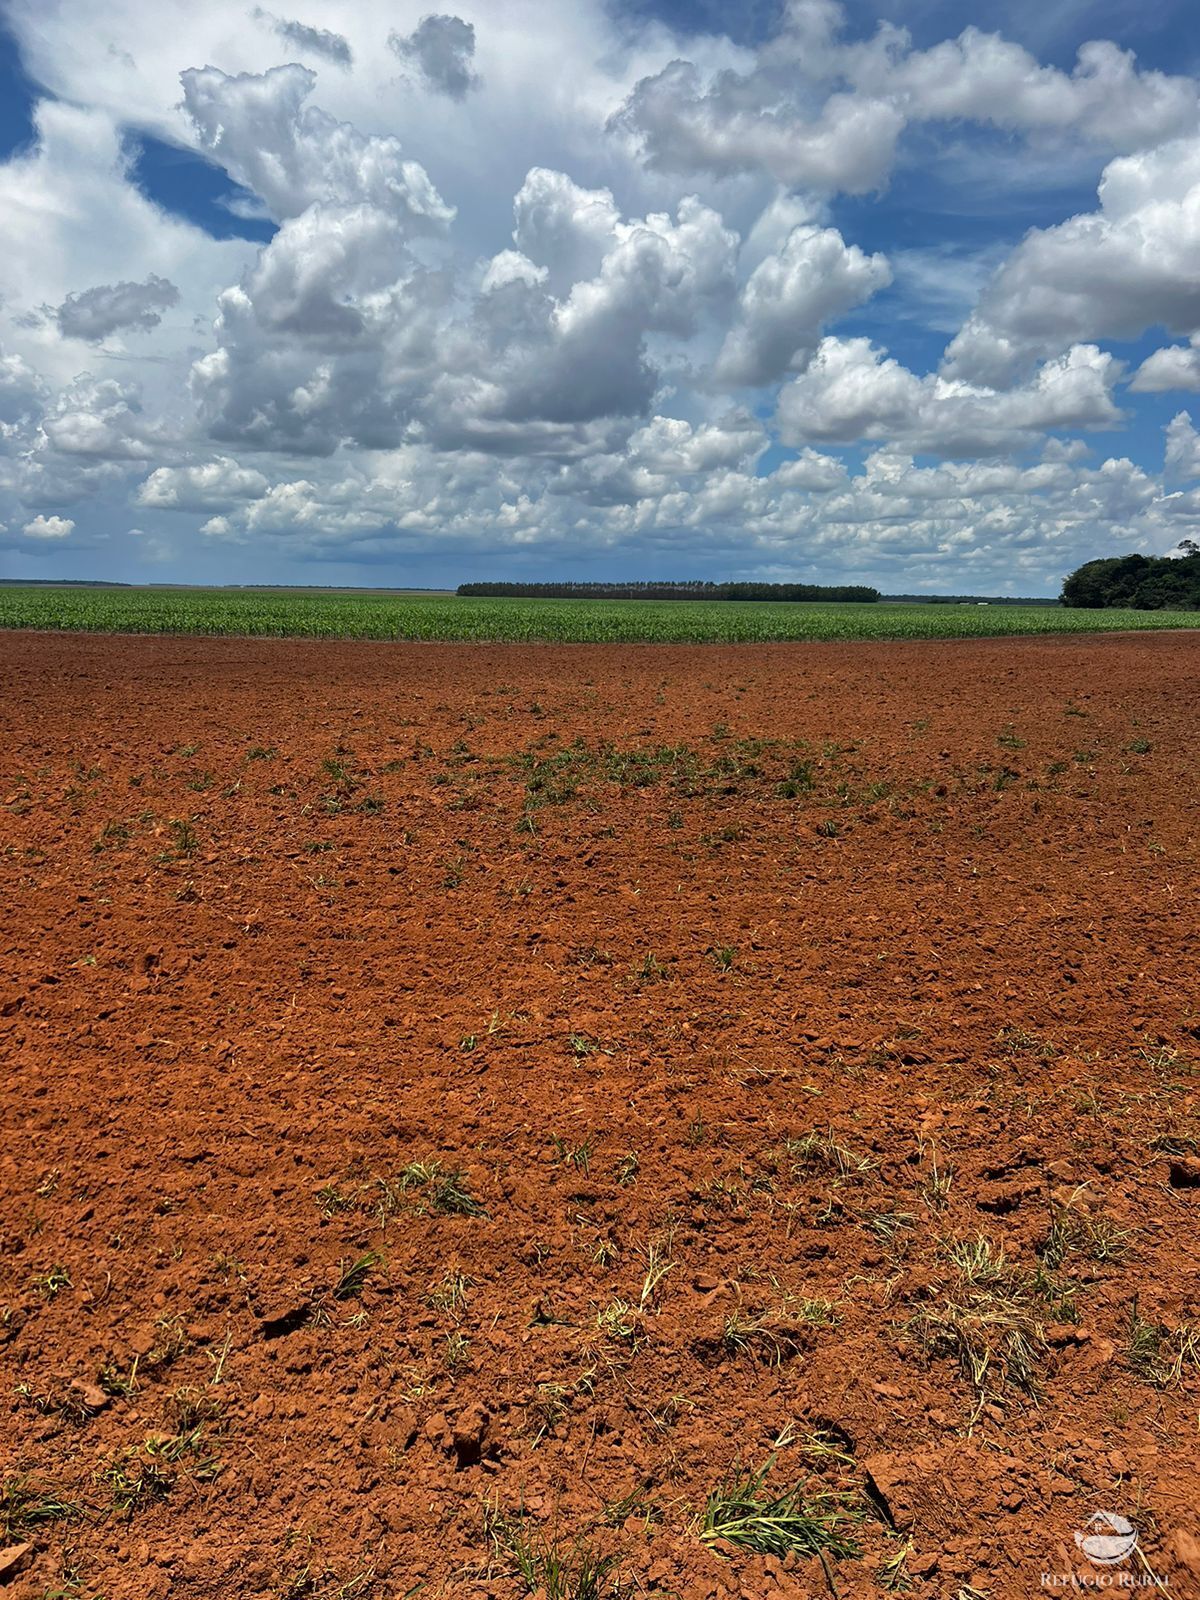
(283, 614)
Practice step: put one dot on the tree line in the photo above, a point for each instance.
(854, 593)
(1138, 583)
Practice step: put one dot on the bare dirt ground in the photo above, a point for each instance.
(465, 1105)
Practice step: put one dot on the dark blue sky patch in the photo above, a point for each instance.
(187, 186)
(967, 194)
(17, 97)
(1162, 34)
(748, 23)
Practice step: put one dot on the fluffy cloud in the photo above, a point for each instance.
(563, 226)
(510, 266)
(982, 77)
(21, 390)
(111, 307)
(672, 447)
(683, 125)
(321, 42)
(204, 487)
(442, 49)
(852, 391)
(1183, 448)
(325, 339)
(581, 360)
(811, 279)
(1107, 274)
(102, 419)
(42, 527)
(1176, 366)
(816, 110)
(293, 155)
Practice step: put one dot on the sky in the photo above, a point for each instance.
(328, 293)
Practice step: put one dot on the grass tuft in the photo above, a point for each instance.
(26, 1504)
(445, 1188)
(1159, 1354)
(550, 1567)
(990, 1318)
(353, 1275)
(778, 1521)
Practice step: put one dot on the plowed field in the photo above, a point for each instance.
(469, 1108)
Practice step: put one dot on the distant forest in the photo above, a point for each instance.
(1138, 583)
(856, 593)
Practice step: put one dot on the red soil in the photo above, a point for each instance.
(620, 1014)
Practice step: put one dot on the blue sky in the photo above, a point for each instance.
(864, 292)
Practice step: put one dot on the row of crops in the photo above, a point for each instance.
(281, 614)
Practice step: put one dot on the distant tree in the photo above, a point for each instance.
(1168, 588)
(1138, 583)
(695, 590)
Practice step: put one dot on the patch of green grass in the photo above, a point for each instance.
(889, 1227)
(936, 1188)
(553, 1567)
(449, 1294)
(1018, 1041)
(779, 1521)
(112, 836)
(170, 1341)
(1077, 1230)
(627, 1169)
(353, 1274)
(455, 1350)
(760, 1335)
(134, 1482)
(651, 969)
(188, 1446)
(821, 1150)
(119, 1382)
(1160, 1354)
(546, 1409)
(52, 1282)
(331, 1200)
(578, 1156)
(799, 781)
(821, 1313)
(444, 1188)
(27, 1504)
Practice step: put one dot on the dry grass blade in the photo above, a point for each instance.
(989, 1318)
(778, 1522)
(1160, 1354)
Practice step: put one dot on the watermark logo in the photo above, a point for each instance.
(1109, 1542)
(1107, 1538)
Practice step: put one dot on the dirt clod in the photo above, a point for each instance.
(14, 1559)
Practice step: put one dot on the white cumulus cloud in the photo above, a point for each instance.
(43, 527)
